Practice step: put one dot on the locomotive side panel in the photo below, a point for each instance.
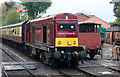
(32, 33)
(40, 31)
(48, 34)
(52, 34)
(38, 34)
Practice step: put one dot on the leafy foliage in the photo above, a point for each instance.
(36, 8)
(12, 17)
(9, 14)
(116, 10)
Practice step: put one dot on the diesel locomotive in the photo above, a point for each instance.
(53, 39)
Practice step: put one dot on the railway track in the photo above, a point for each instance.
(94, 68)
(12, 55)
(98, 68)
(32, 74)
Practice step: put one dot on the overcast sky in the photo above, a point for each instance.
(100, 8)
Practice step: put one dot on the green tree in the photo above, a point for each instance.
(9, 14)
(12, 17)
(9, 5)
(116, 10)
(36, 8)
(116, 7)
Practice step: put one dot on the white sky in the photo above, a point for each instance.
(100, 8)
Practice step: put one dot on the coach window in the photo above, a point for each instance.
(86, 28)
(12, 30)
(97, 28)
(117, 35)
(15, 31)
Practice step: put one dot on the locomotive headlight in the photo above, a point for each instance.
(69, 43)
(72, 26)
(59, 42)
(61, 26)
(74, 42)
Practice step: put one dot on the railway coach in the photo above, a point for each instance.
(53, 39)
(90, 36)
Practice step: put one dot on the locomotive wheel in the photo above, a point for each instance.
(47, 58)
(40, 56)
(92, 54)
(28, 51)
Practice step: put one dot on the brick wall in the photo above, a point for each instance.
(96, 19)
(82, 17)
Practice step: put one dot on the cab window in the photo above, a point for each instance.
(66, 26)
(86, 28)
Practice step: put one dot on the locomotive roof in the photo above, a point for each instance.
(43, 18)
(51, 16)
(89, 23)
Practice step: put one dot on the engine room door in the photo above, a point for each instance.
(44, 34)
(32, 30)
(28, 34)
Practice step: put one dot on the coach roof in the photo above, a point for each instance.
(89, 23)
(13, 25)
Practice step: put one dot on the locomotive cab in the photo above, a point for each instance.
(66, 38)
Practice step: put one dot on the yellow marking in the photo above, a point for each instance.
(66, 17)
(66, 42)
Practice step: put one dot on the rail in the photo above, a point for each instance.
(17, 62)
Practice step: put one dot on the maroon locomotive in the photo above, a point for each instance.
(53, 38)
(90, 36)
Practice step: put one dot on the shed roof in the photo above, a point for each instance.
(113, 29)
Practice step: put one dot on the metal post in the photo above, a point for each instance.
(118, 53)
(20, 17)
(27, 16)
(113, 51)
